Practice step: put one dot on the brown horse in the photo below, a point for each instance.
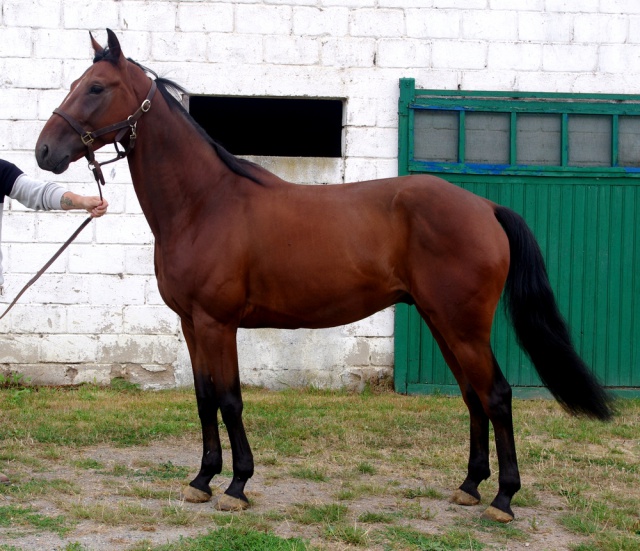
(236, 246)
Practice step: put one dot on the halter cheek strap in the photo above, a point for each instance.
(128, 125)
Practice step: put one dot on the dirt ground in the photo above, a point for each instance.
(272, 491)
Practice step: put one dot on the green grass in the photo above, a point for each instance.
(386, 462)
(232, 539)
(28, 518)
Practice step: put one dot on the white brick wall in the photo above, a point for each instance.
(97, 313)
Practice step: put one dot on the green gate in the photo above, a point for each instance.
(570, 164)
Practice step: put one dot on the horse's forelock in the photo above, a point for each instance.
(104, 55)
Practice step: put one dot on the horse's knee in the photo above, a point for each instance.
(231, 410)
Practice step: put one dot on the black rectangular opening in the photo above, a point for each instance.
(278, 127)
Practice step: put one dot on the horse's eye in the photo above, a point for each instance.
(96, 89)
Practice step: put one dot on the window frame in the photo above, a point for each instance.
(513, 104)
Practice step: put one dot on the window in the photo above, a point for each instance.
(523, 133)
(281, 127)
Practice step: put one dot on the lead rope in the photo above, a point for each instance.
(49, 262)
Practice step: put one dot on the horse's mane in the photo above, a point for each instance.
(171, 92)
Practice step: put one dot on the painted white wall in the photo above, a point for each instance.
(97, 314)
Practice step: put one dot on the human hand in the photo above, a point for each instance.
(92, 204)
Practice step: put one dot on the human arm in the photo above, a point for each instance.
(39, 195)
(93, 205)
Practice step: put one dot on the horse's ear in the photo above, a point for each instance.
(94, 43)
(114, 46)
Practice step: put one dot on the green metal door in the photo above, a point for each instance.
(571, 166)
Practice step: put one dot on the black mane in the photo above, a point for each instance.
(170, 92)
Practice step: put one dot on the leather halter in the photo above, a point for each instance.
(88, 137)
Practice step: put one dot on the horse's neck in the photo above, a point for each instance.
(172, 168)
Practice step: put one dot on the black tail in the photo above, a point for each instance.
(540, 328)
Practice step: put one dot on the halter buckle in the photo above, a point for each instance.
(87, 139)
(146, 105)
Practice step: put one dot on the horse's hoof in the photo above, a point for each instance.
(496, 515)
(460, 497)
(4, 479)
(193, 495)
(229, 503)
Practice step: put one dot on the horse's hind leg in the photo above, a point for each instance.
(478, 466)
(493, 394)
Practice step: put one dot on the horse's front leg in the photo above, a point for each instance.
(199, 490)
(218, 387)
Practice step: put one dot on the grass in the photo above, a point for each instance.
(378, 469)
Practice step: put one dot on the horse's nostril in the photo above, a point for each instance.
(44, 151)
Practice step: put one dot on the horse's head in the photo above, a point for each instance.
(104, 95)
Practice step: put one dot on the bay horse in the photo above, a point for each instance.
(236, 246)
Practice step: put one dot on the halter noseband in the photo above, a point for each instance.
(88, 137)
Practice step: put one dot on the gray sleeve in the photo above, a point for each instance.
(36, 194)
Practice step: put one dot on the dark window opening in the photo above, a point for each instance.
(276, 127)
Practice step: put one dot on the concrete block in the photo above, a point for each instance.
(348, 52)
(18, 103)
(393, 52)
(205, 17)
(263, 19)
(179, 46)
(125, 349)
(125, 229)
(490, 25)
(61, 44)
(166, 349)
(139, 260)
(97, 14)
(35, 14)
(378, 325)
(152, 294)
(67, 348)
(150, 320)
(26, 318)
(57, 226)
(619, 58)
(350, 3)
(287, 50)
(545, 27)
(96, 259)
(514, 57)
(371, 142)
(575, 58)
(517, 5)
(309, 21)
(116, 290)
(16, 42)
(377, 23)
(459, 55)
(43, 374)
(429, 24)
(382, 351)
(600, 28)
(19, 349)
(92, 374)
(147, 16)
(572, 6)
(303, 170)
(42, 73)
(58, 289)
(234, 48)
(28, 258)
(91, 319)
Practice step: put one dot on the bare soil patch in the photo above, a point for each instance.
(125, 508)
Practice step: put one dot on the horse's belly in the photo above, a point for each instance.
(314, 311)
